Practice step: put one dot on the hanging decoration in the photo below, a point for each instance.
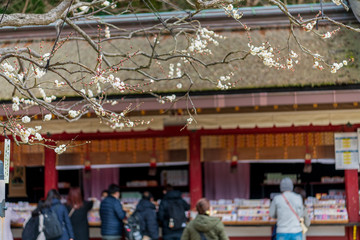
(87, 163)
(153, 160)
(307, 161)
(234, 158)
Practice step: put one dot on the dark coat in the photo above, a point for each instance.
(80, 222)
(63, 217)
(163, 215)
(147, 210)
(111, 214)
(211, 227)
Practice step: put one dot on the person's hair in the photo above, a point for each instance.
(113, 188)
(52, 194)
(104, 192)
(203, 206)
(74, 198)
(147, 195)
(168, 187)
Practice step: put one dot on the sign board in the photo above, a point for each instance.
(346, 151)
(7, 160)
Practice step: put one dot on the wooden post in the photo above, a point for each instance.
(51, 175)
(195, 170)
(352, 199)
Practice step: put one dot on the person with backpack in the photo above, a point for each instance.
(147, 211)
(204, 227)
(78, 211)
(171, 214)
(112, 215)
(55, 214)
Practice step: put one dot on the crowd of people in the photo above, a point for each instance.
(287, 208)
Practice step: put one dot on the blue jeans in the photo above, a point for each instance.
(289, 236)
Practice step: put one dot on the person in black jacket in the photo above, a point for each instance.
(172, 214)
(147, 210)
(78, 211)
(112, 215)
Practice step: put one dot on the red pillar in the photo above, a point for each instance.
(195, 170)
(352, 194)
(51, 175)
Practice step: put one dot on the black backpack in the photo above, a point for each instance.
(31, 229)
(134, 227)
(52, 226)
(176, 211)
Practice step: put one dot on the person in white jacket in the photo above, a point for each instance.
(10, 216)
(287, 218)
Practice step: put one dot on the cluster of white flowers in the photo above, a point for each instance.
(337, 66)
(48, 117)
(39, 73)
(171, 70)
(266, 54)
(46, 57)
(9, 72)
(308, 27)
(329, 34)
(60, 149)
(98, 78)
(165, 99)
(223, 81)
(231, 12)
(73, 113)
(203, 38)
(58, 84)
(107, 32)
(17, 101)
(289, 60)
(46, 99)
(30, 134)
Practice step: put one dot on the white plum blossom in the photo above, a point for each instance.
(7, 67)
(46, 57)
(203, 38)
(189, 120)
(16, 100)
(25, 119)
(47, 117)
(38, 136)
(24, 135)
(171, 70)
(15, 107)
(58, 84)
(107, 32)
(39, 73)
(308, 27)
(336, 66)
(83, 91)
(179, 85)
(60, 149)
(38, 128)
(105, 3)
(231, 12)
(171, 98)
(90, 93)
(73, 113)
(85, 9)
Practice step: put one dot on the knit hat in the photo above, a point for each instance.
(286, 185)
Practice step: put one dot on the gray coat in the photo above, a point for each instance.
(286, 220)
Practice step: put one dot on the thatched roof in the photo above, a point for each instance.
(250, 73)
